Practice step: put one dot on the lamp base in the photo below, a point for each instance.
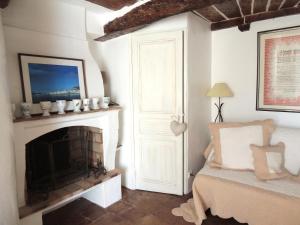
(219, 117)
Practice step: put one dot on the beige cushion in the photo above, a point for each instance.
(269, 161)
(231, 142)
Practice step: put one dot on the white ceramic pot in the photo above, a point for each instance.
(95, 103)
(106, 101)
(61, 105)
(25, 108)
(77, 105)
(86, 104)
(46, 106)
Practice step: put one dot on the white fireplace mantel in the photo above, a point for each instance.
(28, 130)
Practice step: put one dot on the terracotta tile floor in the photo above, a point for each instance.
(136, 208)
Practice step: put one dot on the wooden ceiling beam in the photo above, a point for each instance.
(290, 3)
(275, 4)
(260, 6)
(210, 14)
(3, 3)
(246, 6)
(150, 12)
(255, 17)
(229, 8)
(113, 4)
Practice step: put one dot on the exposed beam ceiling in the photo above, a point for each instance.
(113, 4)
(220, 13)
(3, 3)
(150, 12)
(250, 11)
(255, 17)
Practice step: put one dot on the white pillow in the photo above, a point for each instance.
(274, 161)
(235, 142)
(291, 138)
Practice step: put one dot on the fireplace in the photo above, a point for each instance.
(62, 157)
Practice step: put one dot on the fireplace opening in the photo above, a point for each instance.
(60, 158)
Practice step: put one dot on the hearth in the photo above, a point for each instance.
(61, 157)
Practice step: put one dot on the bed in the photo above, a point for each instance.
(240, 195)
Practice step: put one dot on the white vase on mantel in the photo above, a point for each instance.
(25, 108)
(76, 105)
(61, 105)
(95, 103)
(46, 106)
(86, 104)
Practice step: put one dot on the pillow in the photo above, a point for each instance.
(269, 161)
(291, 139)
(231, 142)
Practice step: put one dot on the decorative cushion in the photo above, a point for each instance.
(291, 139)
(231, 142)
(269, 161)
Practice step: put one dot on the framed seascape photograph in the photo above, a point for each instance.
(278, 80)
(48, 78)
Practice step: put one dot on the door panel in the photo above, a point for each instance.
(157, 78)
(158, 96)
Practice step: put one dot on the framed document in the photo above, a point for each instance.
(278, 80)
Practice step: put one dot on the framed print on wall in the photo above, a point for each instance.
(48, 78)
(278, 80)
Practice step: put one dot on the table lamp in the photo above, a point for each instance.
(219, 90)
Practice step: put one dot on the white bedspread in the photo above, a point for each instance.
(283, 186)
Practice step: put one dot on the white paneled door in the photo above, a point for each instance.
(158, 99)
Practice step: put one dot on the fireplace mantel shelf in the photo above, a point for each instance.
(68, 114)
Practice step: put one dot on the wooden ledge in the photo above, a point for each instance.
(67, 192)
(55, 115)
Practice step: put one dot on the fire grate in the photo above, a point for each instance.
(60, 158)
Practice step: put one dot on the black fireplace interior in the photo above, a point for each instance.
(59, 158)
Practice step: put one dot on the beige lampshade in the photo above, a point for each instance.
(220, 90)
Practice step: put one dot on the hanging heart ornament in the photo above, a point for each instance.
(178, 128)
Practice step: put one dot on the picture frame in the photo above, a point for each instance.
(50, 78)
(278, 70)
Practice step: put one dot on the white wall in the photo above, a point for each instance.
(52, 28)
(234, 60)
(8, 201)
(116, 62)
(198, 105)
